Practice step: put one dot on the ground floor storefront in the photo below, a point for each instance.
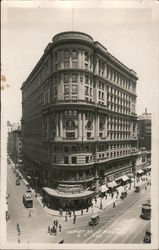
(58, 200)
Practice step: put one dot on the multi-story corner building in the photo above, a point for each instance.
(144, 130)
(79, 123)
(14, 144)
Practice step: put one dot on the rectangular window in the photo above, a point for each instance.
(74, 64)
(66, 64)
(86, 57)
(70, 134)
(86, 79)
(74, 149)
(86, 90)
(87, 159)
(66, 89)
(66, 78)
(74, 160)
(54, 159)
(90, 91)
(74, 78)
(91, 81)
(74, 89)
(74, 54)
(66, 160)
(66, 149)
(88, 134)
(55, 90)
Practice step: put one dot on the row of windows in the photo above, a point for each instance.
(113, 75)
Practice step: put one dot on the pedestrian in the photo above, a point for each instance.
(29, 214)
(56, 223)
(70, 213)
(145, 188)
(105, 196)
(74, 219)
(113, 204)
(60, 227)
(87, 208)
(82, 212)
(65, 217)
(48, 230)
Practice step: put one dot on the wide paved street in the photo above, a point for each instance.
(121, 224)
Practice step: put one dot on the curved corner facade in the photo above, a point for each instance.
(79, 126)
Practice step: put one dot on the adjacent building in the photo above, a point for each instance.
(79, 122)
(14, 143)
(144, 130)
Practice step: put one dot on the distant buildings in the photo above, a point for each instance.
(14, 144)
(144, 130)
(79, 122)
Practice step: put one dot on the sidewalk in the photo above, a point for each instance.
(98, 206)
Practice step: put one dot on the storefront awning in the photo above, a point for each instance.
(119, 178)
(103, 188)
(112, 184)
(73, 196)
(140, 171)
(125, 178)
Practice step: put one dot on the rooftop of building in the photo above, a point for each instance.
(14, 127)
(77, 35)
(145, 116)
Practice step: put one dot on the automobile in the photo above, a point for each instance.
(123, 195)
(20, 176)
(147, 237)
(28, 189)
(137, 189)
(94, 220)
(17, 182)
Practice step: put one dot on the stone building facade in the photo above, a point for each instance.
(144, 130)
(14, 143)
(79, 123)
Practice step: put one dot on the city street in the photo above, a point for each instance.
(121, 224)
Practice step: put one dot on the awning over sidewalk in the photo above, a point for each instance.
(125, 178)
(112, 184)
(103, 188)
(140, 171)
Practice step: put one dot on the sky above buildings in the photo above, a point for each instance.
(130, 34)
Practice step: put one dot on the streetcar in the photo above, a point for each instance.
(27, 200)
(146, 210)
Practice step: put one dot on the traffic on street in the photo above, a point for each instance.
(119, 222)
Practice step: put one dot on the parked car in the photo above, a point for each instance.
(17, 182)
(147, 237)
(137, 189)
(28, 190)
